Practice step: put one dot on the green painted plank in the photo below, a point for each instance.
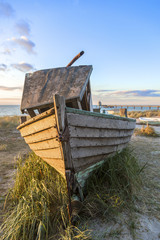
(109, 116)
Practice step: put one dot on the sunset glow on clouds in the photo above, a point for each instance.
(120, 39)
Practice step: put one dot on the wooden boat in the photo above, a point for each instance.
(66, 136)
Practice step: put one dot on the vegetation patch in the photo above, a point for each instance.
(113, 185)
(146, 132)
(9, 122)
(37, 206)
(3, 147)
(137, 114)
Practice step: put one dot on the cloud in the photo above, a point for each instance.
(23, 67)
(131, 95)
(23, 27)
(4, 88)
(3, 67)
(6, 51)
(10, 101)
(138, 93)
(103, 90)
(24, 42)
(6, 9)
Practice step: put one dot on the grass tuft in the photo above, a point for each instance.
(9, 122)
(3, 147)
(37, 203)
(137, 114)
(113, 185)
(146, 132)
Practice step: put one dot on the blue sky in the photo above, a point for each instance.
(121, 39)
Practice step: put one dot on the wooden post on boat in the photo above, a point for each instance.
(75, 58)
(59, 105)
(63, 132)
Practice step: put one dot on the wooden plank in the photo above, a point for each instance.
(47, 144)
(79, 104)
(38, 126)
(97, 133)
(23, 119)
(41, 136)
(41, 86)
(93, 142)
(83, 163)
(98, 122)
(56, 164)
(49, 153)
(59, 103)
(107, 116)
(36, 118)
(31, 112)
(92, 151)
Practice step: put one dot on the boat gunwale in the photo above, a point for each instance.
(37, 118)
(94, 114)
(76, 111)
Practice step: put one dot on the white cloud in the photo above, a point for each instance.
(4, 88)
(6, 51)
(23, 67)
(6, 9)
(3, 67)
(24, 42)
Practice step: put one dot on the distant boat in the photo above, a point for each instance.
(152, 119)
(66, 133)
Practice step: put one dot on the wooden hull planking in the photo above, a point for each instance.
(91, 137)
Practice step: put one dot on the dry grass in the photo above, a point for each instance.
(37, 205)
(146, 131)
(113, 185)
(3, 147)
(9, 122)
(137, 114)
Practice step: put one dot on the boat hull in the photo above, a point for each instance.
(84, 139)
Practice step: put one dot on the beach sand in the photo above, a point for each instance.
(143, 223)
(12, 145)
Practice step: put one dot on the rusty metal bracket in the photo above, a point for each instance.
(64, 136)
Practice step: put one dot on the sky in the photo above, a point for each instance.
(120, 38)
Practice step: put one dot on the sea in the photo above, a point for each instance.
(12, 110)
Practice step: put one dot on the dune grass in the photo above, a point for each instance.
(147, 131)
(37, 206)
(9, 122)
(137, 114)
(113, 185)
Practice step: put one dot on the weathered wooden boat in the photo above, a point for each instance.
(65, 133)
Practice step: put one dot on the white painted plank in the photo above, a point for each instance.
(92, 151)
(83, 163)
(98, 122)
(97, 133)
(93, 142)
